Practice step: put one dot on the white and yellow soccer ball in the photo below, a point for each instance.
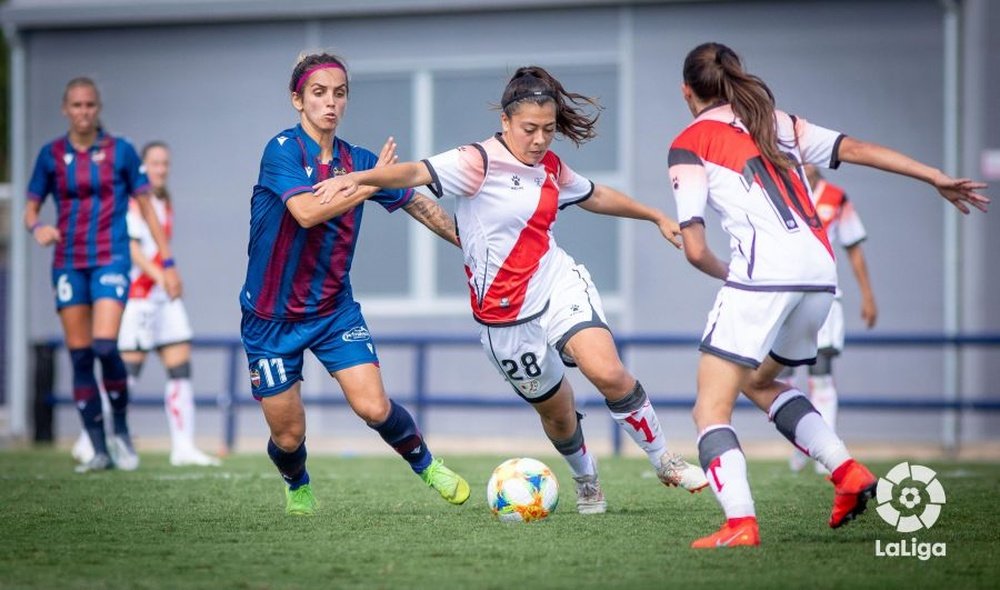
(522, 490)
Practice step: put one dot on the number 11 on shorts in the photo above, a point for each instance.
(265, 369)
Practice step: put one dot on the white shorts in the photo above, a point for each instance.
(745, 326)
(530, 355)
(149, 324)
(830, 339)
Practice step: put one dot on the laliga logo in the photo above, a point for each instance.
(910, 497)
(916, 489)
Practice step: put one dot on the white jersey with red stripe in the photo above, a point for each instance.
(777, 241)
(143, 286)
(504, 213)
(840, 220)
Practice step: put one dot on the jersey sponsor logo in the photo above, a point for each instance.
(254, 378)
(113, 280)
(281, 139)
(358, 334)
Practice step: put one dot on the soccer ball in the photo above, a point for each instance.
(522, 490)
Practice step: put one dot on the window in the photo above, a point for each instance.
(401, 267)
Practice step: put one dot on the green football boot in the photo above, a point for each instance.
(301, 501)
(449, 484)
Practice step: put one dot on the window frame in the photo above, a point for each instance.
(422, 299)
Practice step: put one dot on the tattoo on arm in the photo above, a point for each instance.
(433, 216)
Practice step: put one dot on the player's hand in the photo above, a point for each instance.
(172, 283)
(869, 312)
(388, 154)
(961, 192)
(156, 273)
(327, 190)
(46, 235)
(671, 230)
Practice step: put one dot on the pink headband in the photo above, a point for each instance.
(305, 75)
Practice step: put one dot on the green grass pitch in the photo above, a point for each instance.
(379, 526)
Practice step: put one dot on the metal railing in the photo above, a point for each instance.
(423, 399)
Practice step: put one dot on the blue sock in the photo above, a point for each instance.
(115, 380)
(87, 397)
(400, 431)
(291, 466)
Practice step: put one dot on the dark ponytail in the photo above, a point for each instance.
(715, 72)
(534, 84)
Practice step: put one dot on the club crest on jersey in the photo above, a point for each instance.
(254, 378)
(538, 181)
(99, 157)
(339, 171)
(825, 212)
(358, 334)
(516, 180)
(528, 387)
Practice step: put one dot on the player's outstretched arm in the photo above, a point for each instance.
(608, 201)
(431, 214)
(960, 192)
(401, 175)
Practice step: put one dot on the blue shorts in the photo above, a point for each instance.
(275, 349)
(84, 286)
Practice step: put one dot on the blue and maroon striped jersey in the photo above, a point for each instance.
(91, 191)
(296, 273)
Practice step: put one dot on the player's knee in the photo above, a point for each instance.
(105, 348)
(757, 382)
(565, 422)
(83, 361)
(708, 412)
(374, 411)
(289, 439)
(612, 380)
(181, 371)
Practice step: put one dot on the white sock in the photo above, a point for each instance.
(581, 463)
(823, 395)
(796, 418)
(644, 427)
(726, 469)
(179, 404)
